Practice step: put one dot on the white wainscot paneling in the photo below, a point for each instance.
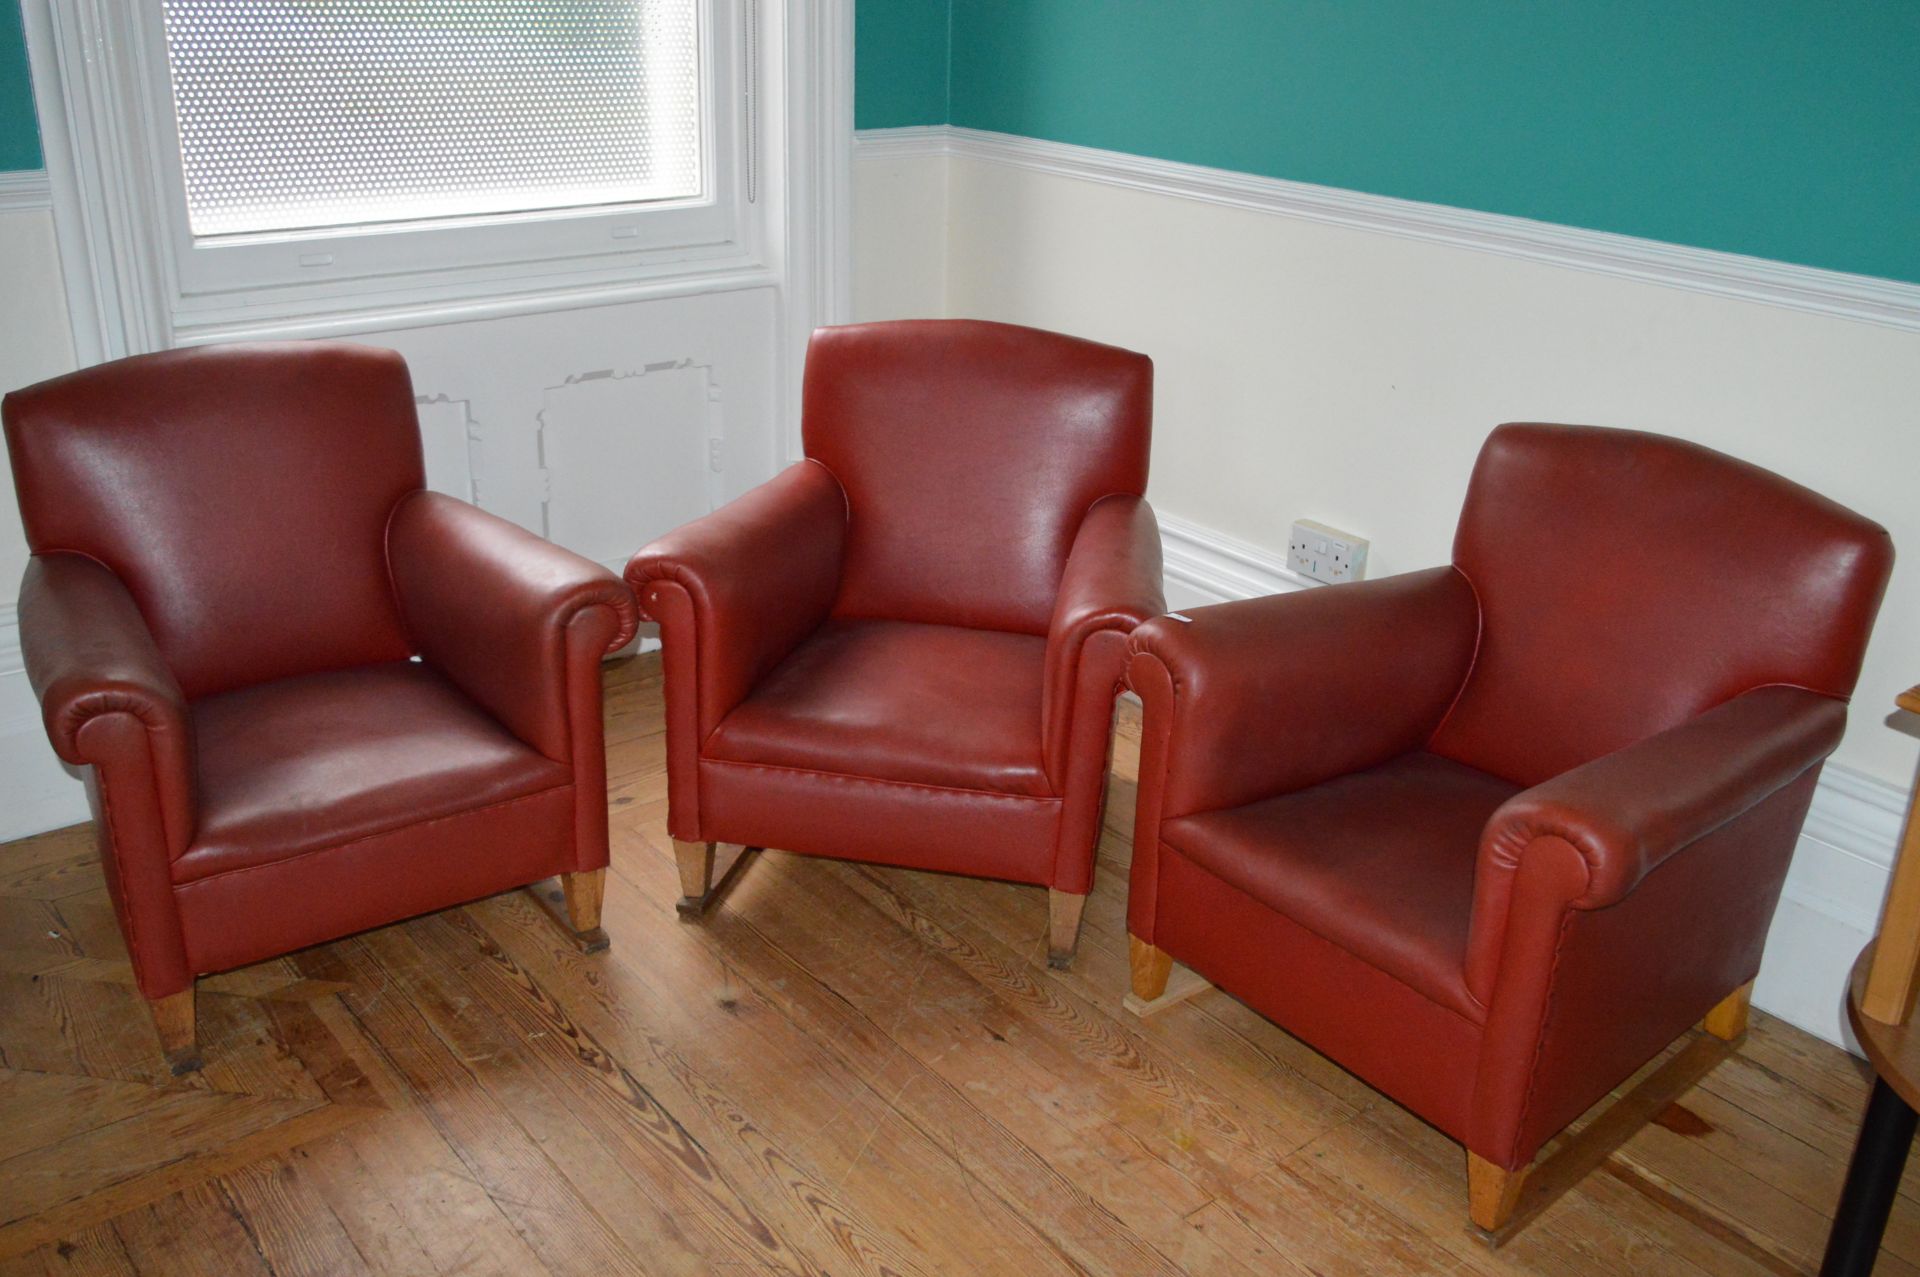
(446, 428)
(630, 456)
(602, 427)
(591, 425)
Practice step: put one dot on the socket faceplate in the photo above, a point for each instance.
(1326, 554)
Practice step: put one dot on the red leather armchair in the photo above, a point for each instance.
(234, 560)
(1493, 835)
(904, 649)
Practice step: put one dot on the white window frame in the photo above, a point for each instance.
(310, 263)
(780, 96)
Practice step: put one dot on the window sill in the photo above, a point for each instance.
(379, 309)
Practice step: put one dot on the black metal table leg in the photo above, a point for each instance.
(1873, 1178)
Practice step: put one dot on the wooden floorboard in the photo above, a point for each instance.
(844, 1069)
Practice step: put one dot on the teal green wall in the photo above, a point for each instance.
(1787, 129)
(900, 62)
(19, 132)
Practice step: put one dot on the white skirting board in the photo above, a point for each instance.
(1831, 906)
(1893, 303)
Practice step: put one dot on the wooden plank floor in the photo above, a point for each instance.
(847, 1070)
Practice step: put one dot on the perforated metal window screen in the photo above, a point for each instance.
(296, 114)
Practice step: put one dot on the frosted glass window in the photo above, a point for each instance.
(299, 114)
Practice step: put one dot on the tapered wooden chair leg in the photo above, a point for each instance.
(1063, 927)
(173, 1020)
(1728, 1020)
(696, 874)
(1492, 1191)
(584, 893)
(1149, 968)
(705, 870)
(1158, 981)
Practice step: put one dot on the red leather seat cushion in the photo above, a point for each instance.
(901, 701)
(1379, 862)
(307, 763)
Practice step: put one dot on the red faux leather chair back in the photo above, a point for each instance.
(241, 494)
(1628, 581)
(969, 453)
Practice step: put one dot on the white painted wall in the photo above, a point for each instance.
(35, 342)
(599, 427)
(900, 237)
(1348, 375)
(35, 790)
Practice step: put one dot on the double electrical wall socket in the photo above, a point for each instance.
(1326, 554)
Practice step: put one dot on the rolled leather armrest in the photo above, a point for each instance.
(491, 606)
(1627, 812)
(751, 580)
(1112, 582)
(89, 655)
(1264, 696)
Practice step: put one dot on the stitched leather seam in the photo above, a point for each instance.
(91, 558)
(1455, 1012)
(1066, 771)
(1077, 529)
(1540, 1039)
(384, 833)
(876, 780)
(393, 582)
(573, 729)
(1473, 662)
(1510, 842)
(691, 682)
(598, 593)
(1845, 698)
(1076, 637)
(846, 500)
(126, 910)
(1070, 680)
(555, 656)
(88, 706)
(1142, 781)
(846, 535)
(1079, 631)
(673, 571)
(181, 699)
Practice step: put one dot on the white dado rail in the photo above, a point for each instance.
(1701, 270)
